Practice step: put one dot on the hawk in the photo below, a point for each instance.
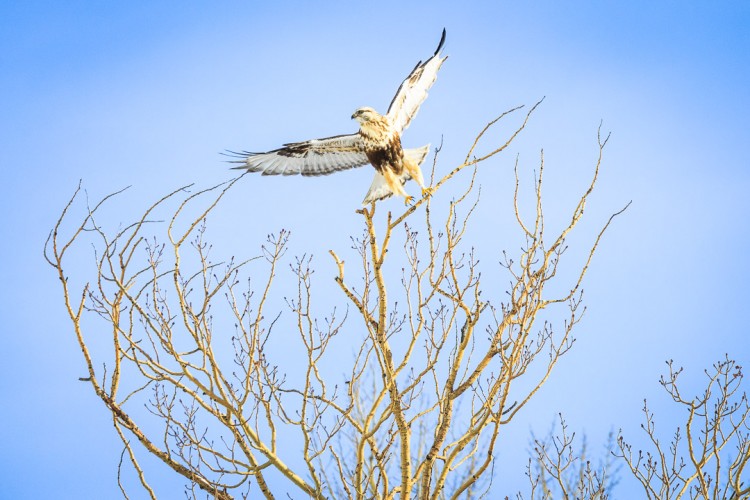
(378, 142)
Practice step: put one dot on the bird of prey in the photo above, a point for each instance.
(378, 142)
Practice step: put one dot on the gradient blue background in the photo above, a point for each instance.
(147, 95)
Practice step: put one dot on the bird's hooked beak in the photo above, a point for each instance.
(355, 114)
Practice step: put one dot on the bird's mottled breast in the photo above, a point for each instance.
(382, 145)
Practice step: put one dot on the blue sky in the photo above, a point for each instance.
(145, 95)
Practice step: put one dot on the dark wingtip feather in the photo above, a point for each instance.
(236, 154)
(442, 42)
(240, 157)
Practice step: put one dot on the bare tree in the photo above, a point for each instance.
(709, 457)
(440, 364)
(557, 469)
(705, 458)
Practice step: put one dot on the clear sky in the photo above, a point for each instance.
(146, 95)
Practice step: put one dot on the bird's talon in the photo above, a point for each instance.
(427, 192)
(408, 200)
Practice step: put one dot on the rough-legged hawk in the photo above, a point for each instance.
(378, 142)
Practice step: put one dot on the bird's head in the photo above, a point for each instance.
(365, 114)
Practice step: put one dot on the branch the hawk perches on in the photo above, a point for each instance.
(378, 142)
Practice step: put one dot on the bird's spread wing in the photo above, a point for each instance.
(413, 91)
(314, 157)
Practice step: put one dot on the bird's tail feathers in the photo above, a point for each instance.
(379, 190)
(417, 155)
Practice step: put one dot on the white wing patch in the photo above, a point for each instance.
(314, 157)
(413, 91)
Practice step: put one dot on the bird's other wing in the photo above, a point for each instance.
(314, 157)
(413, 91)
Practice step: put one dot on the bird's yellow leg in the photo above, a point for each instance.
(427, 191)
(394, 183)
(408, 199)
